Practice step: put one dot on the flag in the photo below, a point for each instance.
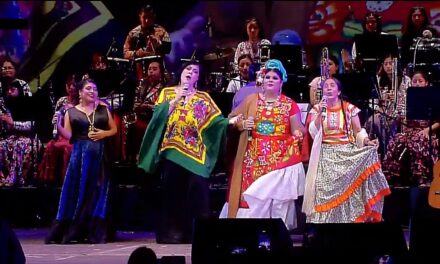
(56, 27)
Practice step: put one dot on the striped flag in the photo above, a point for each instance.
(56, 27)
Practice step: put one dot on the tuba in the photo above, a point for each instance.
(324, 74)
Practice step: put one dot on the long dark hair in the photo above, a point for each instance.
(200, 83)
(384, 79)
(261, 34)
(341, 98)
(409, 27)
(378, 23)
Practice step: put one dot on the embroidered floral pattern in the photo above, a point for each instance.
(187, 123)
(409, 151)
(272, 146)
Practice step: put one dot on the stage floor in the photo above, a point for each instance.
(32, 242)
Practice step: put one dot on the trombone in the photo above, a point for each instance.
(324, 73)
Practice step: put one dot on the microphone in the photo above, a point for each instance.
(55, 126)
(324, 109)
(249, 132)
(185, 87)
(427, 34)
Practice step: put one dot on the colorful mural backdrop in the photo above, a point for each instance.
(63, 36)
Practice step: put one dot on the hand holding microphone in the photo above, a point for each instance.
(323, 107)
(249, 126)
(55, 120)
(183, 93)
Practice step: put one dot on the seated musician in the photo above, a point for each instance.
(16, 142)
(56, 156)
(146, 95)
(315, 84)
(411, 145)
(148, 38)
(384, 124)
(244, 62)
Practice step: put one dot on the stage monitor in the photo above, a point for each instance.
(289, 55)
(234, 240)
(375, 47)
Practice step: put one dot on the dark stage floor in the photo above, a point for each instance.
(111, 253)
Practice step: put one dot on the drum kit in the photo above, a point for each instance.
(220, 68)
(426, 54)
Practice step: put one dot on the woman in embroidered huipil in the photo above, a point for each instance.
(412, 145)
(344, 181)
(83, 212)
(56, 156)
(186, 133)
(268, 175)
(18, 147)
(254, 36)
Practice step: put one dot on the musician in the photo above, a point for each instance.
(146, 95)
(148, 38)
(315, 84)
(344, 181)
(408, 159)
(16, 144)
(56, 156)
(254, 38)
(244, 62)
(371, 25)
(417, 23)
(384, 124)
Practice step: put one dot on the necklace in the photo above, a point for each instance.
(91, 122)
(269, 105)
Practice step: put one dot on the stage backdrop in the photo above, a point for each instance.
(62, 36)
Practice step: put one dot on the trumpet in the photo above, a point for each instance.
(324, 74)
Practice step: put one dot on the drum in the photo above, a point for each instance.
(217, 81)
(425, 52)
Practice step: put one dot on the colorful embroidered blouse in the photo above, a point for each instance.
(272, 146)
(334, 128)
(186, 124)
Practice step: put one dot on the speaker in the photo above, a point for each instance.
(424, 227)
(10, 248)
(355, 243)
(241, 241)
(172, 260)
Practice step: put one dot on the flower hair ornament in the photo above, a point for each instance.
(274, 64)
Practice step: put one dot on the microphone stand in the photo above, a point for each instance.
(110, 49)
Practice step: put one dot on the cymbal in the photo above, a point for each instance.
(220, 53)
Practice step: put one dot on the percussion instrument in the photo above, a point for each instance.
(220, 53)
(425, 51)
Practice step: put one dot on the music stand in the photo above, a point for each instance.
(422, 103)
(357, 88)
(289, 55)
(372, 48)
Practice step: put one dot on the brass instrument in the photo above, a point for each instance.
(4, 127)
(131, 117)
(324, 74)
